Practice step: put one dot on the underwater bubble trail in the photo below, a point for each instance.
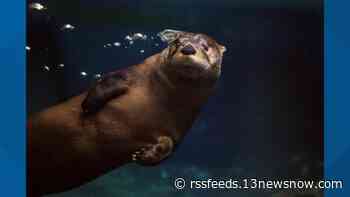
(130, 40)
(135, 36)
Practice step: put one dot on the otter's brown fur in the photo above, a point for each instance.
(143, 123)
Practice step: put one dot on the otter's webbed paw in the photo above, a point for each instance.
(110, 86)
(153, 154)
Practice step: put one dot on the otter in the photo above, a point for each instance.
(137, 114)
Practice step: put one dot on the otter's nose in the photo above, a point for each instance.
(188, 50)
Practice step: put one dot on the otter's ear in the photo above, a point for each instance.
(110, 86)
(222, 49)
(169, 35)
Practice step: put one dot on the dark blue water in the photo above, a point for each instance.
(266, 118)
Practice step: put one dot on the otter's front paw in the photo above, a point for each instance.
(153, 154)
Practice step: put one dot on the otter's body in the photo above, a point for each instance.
(138, 114)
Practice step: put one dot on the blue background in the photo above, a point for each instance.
(337, 94)
(12, 80)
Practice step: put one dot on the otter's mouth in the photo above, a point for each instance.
(190, 59)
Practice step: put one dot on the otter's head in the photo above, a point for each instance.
(191, 55)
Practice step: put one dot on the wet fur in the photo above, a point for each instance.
(85, 137)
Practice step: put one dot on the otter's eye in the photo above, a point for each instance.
(205, 47)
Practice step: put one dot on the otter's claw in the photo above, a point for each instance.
(153, 154)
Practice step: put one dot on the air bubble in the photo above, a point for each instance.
(141, 36)
(67, 27)
(142, 51)
(84, 74)
(136, 36)
(47, 68)
(117, 44)
(28, 48)
(37, 6)
(61, 65)
(107, 45)
(97, 76)
(128, 38)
